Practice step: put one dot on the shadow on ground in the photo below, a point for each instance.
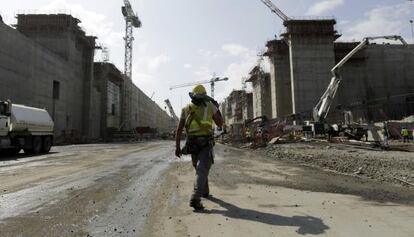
(307, 224)
(21, 155)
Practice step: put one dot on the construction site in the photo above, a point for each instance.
(318, 140)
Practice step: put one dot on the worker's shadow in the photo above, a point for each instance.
(307, 224)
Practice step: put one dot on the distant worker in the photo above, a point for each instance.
(386, 134)
(248, 135)
(197, 119)
(405, 135)
(412, 135)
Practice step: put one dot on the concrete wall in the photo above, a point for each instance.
(377, 83)
(262, 97)
(109, 81)
(280, 79)
(145, 112)
(248, 106)
(238, 107)
(27, 72)
(50, 49)
(312, 55)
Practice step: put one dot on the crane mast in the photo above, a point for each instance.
(170, 108)
(131, 21)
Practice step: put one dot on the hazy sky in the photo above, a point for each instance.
(189, 40)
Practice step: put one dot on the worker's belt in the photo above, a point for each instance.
(195, 144)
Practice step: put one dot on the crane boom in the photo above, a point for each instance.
(189, 84)
(170, 108)
(211, 81)
(275, 10)
(321, 110)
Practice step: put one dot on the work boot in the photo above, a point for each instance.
(196, 204)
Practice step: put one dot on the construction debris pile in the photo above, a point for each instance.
(388, 166)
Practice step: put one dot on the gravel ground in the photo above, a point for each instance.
(383, 166)
(253, 195)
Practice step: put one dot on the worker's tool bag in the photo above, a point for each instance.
(195, 144)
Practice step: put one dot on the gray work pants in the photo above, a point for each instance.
(202, 162)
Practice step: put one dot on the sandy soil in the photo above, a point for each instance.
(90, 190)
(257, 196)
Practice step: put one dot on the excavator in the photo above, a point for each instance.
(322, 108)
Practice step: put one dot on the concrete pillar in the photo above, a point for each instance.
(312, 56)
(280, 80)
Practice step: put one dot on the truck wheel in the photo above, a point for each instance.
(14, 151)
(37, 145)
(47, 144)
(10, 152)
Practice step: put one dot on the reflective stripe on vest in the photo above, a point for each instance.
(201, 120)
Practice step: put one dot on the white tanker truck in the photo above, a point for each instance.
(23, 127)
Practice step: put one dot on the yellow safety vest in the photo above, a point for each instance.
(404, 132)
(199, 120)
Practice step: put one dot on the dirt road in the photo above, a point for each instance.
(140, 190)
(254, 196)
(88, 190)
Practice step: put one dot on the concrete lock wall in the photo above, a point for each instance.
(280, 80)
(262, 101)
(312, 56)
(28, 72)
(145, 112)
(48, 63)
(377, 83)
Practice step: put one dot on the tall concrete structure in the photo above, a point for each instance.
(312, 55)
(280, 79)
(238, 108)
(262, 101)
(110, 82)
(377, 82)
(247, 106)
(47, 62)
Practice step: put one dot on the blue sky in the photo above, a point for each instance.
(189, 40)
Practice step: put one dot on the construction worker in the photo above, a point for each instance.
(248, 135)
(197, 119)
(413, 134)
(405, 135)
(386, 134)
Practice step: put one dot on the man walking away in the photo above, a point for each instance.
(197, 119)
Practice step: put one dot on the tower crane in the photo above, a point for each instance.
(131, 21)
(170, 108)
(212, 83)
(276, 10)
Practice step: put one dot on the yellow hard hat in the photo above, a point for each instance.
(199, 89)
